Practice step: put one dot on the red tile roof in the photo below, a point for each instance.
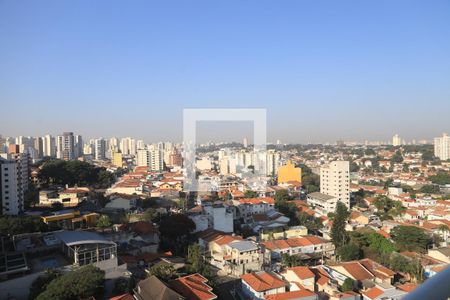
(291, 295)
(373, 293)
(407, 287)
(193, 287)
(226, 239)
(267, 200)
(262, 281)
(302, 272)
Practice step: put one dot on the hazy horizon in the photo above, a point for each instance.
(324, 70)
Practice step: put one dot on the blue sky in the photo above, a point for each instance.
(325, 70)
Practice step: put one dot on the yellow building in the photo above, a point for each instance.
(288, 173)
(117, 159)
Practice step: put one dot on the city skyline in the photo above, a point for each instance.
(323, 72)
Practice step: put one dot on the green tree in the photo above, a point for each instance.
(103, 222)
(397, 157)
(12, 225)
(350, 251)
(250, 194)
(441, 178)
(348, 285)
(40, 284)
(410, 238)
(195, 258)
(150, 215)
(387, 208)
(79, 284)
(430, 189)
(163, 272)
(400, 263)
(175, 230)
(338, 234)
(74, 172)
(123, 285)
(290, 260)
(281, 196)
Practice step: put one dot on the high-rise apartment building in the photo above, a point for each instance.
(14, 182)
(49, 146)
(272, 162)
(13, 149)
(143, 158)
(39, 146)
(10, 195)
(151, 157)
(335, 181)
(156, 159)
(396, 140)
(113, 144)
(100, 149)
(23, 161)
(175, 158)
(116, 159)
(65, 146)
(442, 147)
(78, 143)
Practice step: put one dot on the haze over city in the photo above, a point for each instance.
(324, 70)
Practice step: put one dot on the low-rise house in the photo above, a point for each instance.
(294, 295)
(430, 265)
(294, 246)
(442, 254)
(124, 203)
(152, 288)
(193, 287)
(258, 285)
(321, 203)
(71, 219)
(359, 218)
(216, 216)
(365, 270)
(235, 256)
(268, 220)
(247, 207)
(68, 197)
(283, 233)
(380, 293)
(300, 275)
(136, 238)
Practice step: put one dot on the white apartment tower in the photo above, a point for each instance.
(12, 186)
(151, 157)
(143, 158)
(396, 140)
(335, 181)
(49, 147)
(100, 149)
(65, 146)
(157, 159)
(442, 147)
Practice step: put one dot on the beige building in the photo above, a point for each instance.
(442, 147)
(68, 197)
(235, 256)
(282, 234)
(322, 204)
(335, 181)
(442, 254)
(396, 140)
(117, 159)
